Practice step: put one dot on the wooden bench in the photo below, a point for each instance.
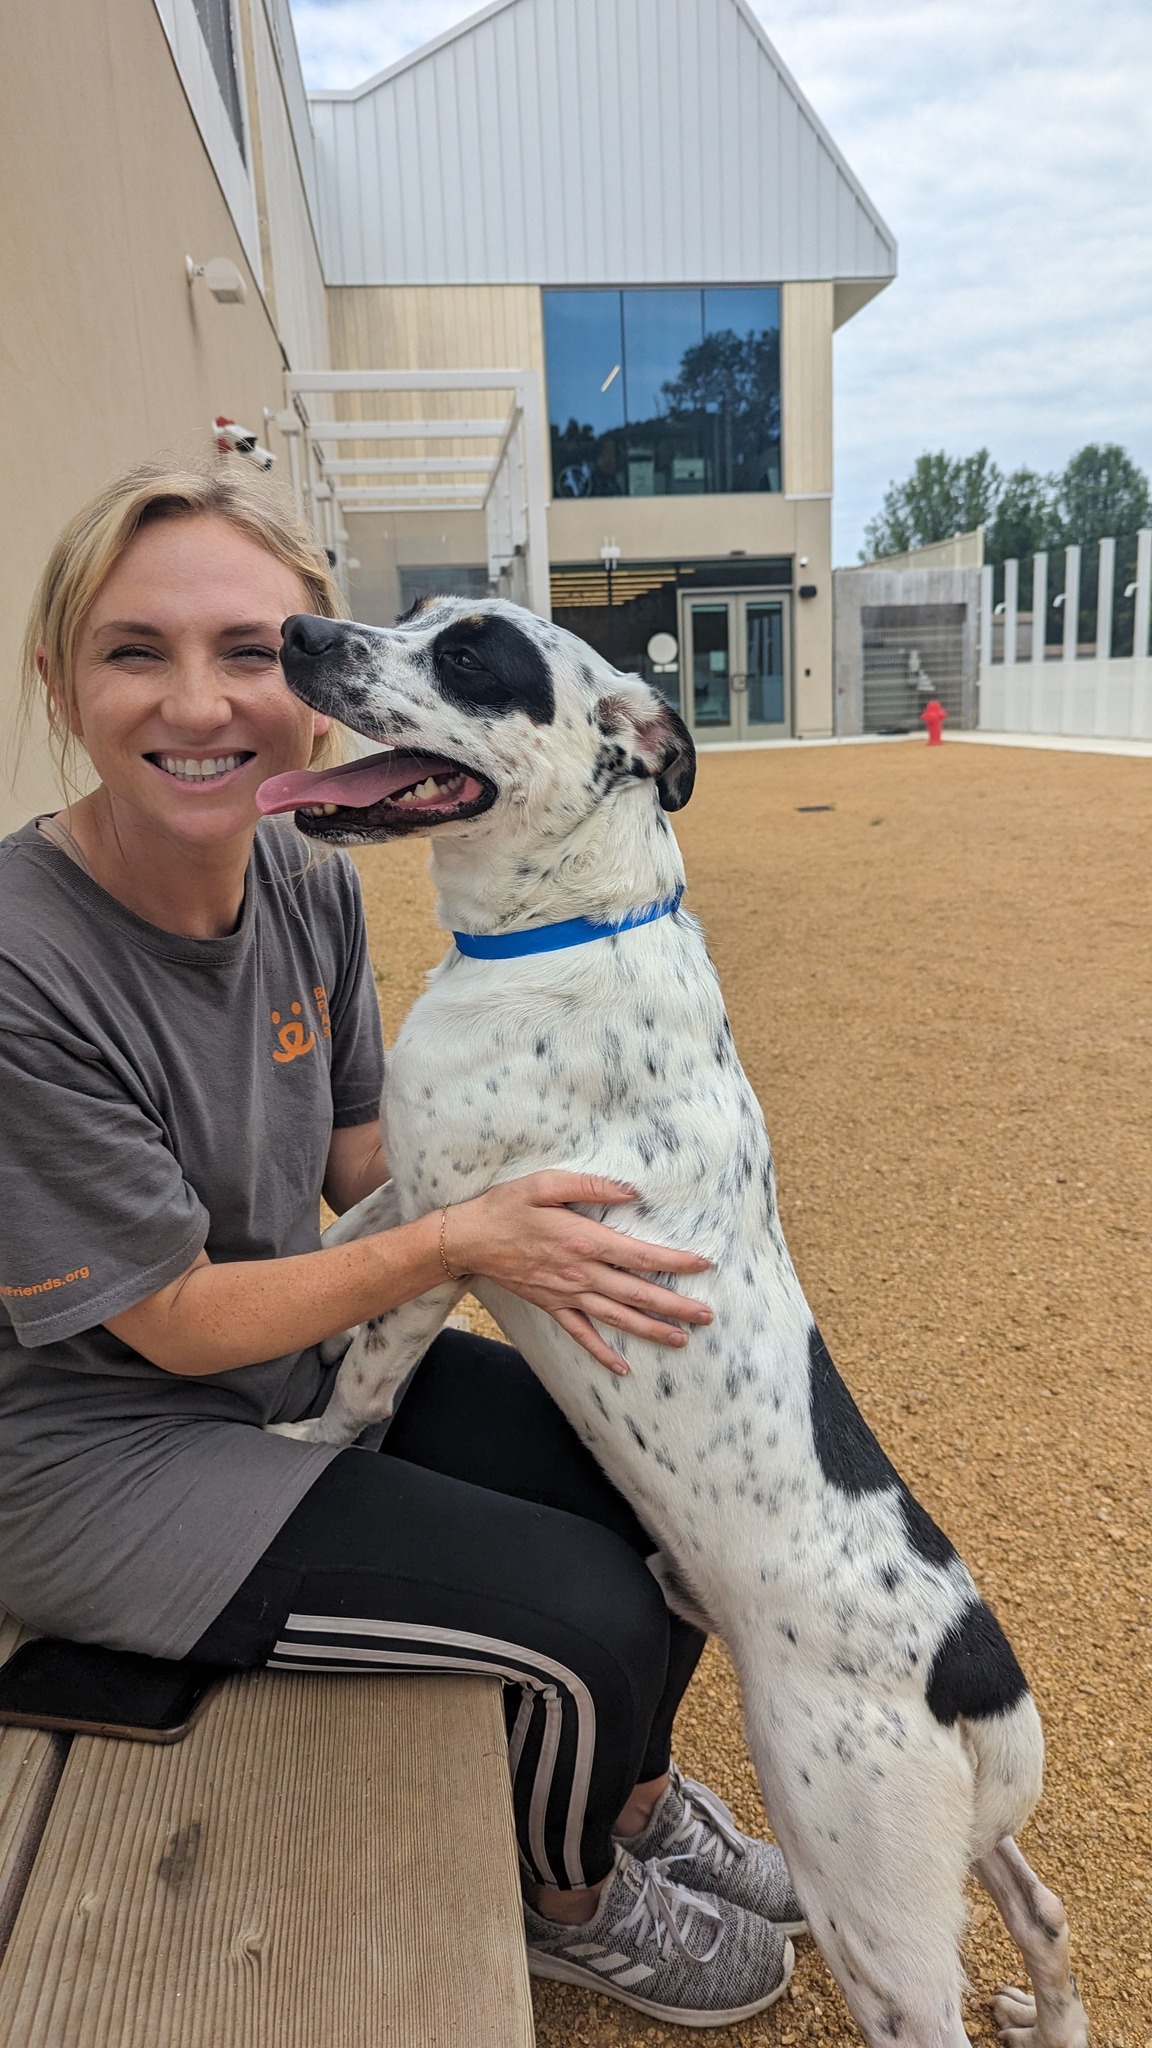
(323, 1862)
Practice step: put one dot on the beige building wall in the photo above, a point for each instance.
(381, 545)
(433, 327)
(293, 275)
(424, 327)
(436, 327)
(501, 326)
(108, 357)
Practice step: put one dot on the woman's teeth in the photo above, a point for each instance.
(200, 771)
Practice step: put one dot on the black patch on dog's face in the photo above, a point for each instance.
(851, 1459)
(486, 663)
(974, 1672)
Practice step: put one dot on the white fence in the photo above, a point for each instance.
(1105, 700)
(1083, 689)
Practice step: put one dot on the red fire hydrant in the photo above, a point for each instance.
(933, 716)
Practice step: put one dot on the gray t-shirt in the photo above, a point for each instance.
(160, 1095)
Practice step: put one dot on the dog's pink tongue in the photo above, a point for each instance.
(354, 783)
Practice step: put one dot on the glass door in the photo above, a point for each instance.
(736, 666)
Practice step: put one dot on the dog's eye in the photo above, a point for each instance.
(463, 657)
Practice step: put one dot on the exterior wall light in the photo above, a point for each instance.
(806, 590)
(221, 277)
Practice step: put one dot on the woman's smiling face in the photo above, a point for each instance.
(181, 702)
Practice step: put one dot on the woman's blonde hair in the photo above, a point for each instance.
(93, 542)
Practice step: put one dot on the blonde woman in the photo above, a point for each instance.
(190, 1055)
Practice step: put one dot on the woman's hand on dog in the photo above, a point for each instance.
(525, 1236)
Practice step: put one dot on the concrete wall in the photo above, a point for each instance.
(857, 588)
(108, 357)
(1081, 699)
(963, 551)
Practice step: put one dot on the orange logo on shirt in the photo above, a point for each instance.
(295, 1039)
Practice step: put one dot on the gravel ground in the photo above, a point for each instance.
(939, 984)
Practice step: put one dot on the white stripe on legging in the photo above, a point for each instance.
(510, 1661)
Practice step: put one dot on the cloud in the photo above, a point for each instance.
(343, 42)
(1008, 144)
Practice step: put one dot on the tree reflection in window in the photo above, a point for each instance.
(669, 392)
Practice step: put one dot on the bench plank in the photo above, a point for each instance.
(324, 1862)
(30, 1767)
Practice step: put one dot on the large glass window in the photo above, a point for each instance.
(663, 392)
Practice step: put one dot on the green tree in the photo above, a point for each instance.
(729, 373)
(1024, 522)
(1101, 493)
(945, 495)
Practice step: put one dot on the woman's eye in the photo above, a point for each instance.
(133, 654)
(263, 655)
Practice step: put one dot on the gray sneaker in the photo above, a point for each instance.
(695, 1840)
(670, 1953)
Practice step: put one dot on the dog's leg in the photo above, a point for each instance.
(871, 1804)
(379, 1359)
(1053, 2017)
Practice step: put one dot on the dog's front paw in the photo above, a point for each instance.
(1020, 2023)
(310, 1432)
(319, 1429)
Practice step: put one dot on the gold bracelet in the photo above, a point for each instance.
(443, 1254)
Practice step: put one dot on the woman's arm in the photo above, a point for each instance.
(523, 1235)
(215, 1318)
(356, 1166)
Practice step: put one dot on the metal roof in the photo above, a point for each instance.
(573, 142)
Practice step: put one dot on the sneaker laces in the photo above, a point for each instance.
(654, 1914)
(707, 1830)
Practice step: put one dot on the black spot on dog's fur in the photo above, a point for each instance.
(851, 1459)
(974, 1672)
(486, 663)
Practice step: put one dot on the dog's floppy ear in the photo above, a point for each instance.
(661, 742)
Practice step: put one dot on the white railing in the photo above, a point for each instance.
(1089, 689)
(506, 479)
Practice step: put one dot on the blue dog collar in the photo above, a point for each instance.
(555, 938)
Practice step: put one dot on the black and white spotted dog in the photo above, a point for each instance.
(893, 1733)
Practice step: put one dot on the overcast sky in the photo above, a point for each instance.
(1008, 144)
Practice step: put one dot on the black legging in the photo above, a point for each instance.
(484, 1537)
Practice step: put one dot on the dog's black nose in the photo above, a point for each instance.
(311, 637)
